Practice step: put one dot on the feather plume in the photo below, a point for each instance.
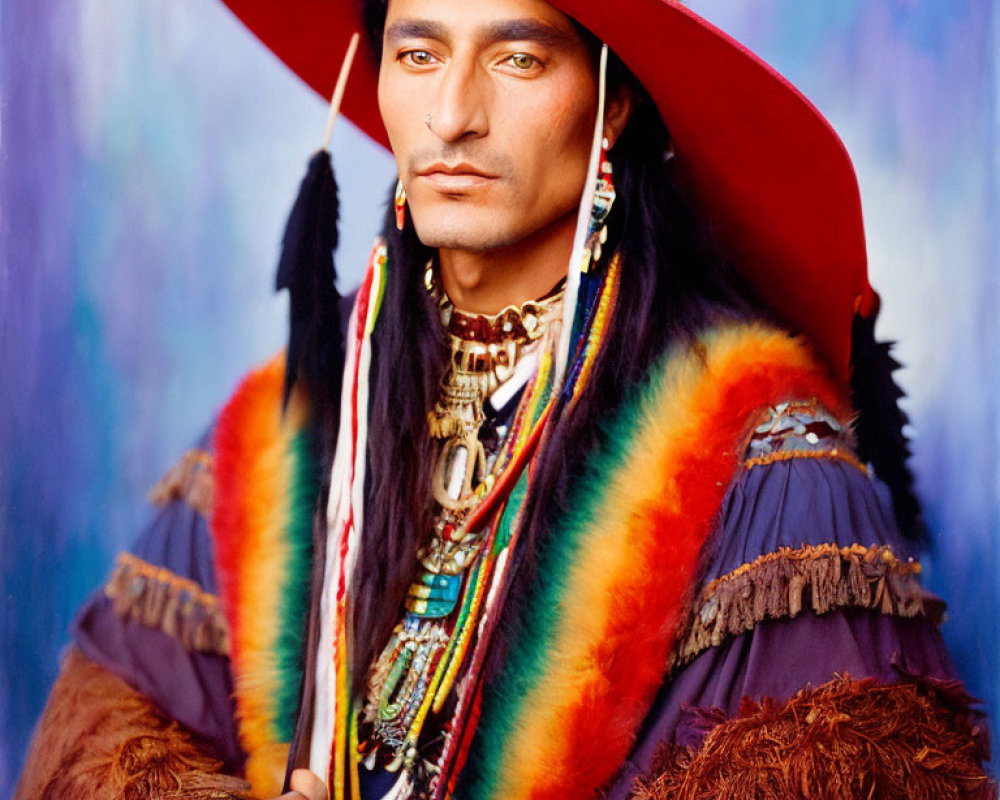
(315, 357)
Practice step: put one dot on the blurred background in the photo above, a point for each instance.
(150, 152)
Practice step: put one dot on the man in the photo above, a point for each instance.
(568, 520)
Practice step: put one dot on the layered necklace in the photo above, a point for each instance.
(486, 352)
(492, 357)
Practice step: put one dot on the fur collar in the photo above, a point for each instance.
(616, 573)
(265, 491)
(612, 582)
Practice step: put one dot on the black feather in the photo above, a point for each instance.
(881, 439)
(315, 354)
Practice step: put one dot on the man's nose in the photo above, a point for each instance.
(460, 108)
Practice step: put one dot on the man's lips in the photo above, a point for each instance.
(455, 178)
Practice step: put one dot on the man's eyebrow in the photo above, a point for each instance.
(416, 29)
(524, 30)
(508, 30)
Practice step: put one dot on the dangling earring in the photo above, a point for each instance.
(400, 205)
(604, 198)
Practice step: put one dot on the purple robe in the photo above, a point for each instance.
(789, 503)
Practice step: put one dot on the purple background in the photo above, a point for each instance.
(149, 153)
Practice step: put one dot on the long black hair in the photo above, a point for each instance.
(674, 283)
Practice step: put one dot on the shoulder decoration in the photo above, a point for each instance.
(800, 429)
(190, 480)
(158, 598)
(846, 738)
(822, 578)
(265, 490)
(614, 579)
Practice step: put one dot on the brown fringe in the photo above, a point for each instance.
(190, 480)
(847, 739)
(178, 607)
(833, 454)
(98, 739)
(780, 584)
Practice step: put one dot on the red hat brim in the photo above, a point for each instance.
(769, 171)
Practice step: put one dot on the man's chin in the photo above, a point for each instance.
(475, 235)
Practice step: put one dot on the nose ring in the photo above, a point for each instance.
(427, 121)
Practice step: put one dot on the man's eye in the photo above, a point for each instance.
(522, 61)
(419, 58)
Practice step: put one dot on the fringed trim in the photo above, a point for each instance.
(847, 738)
(788, 455)
(164, 601)
(822, 578)
(190, 480)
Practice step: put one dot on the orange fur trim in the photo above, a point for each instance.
(253, 481)
(845, 739)
(99, 739)
(624, 594)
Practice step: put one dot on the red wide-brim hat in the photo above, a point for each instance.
(769, 171)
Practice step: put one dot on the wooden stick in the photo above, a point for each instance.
(338, 92)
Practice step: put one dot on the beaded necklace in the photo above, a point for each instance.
(449, 681)
(492, 359)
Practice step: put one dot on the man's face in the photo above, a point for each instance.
(510, 88)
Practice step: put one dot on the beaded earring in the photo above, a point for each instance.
(604, 198)
(399, 204)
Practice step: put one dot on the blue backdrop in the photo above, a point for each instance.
(149, 153)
